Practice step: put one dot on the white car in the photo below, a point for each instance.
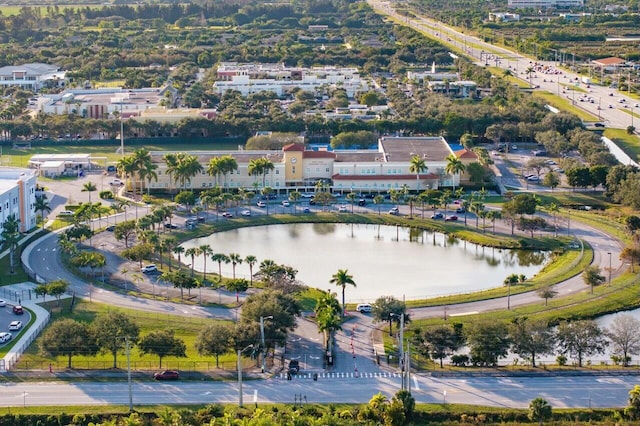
(3, 303)
(364, 308)
(245, 213)
(5, 337)
(149, 269)
(342, 209)
(285, 203)
(261, 204)
(15, 325)
(116, 182)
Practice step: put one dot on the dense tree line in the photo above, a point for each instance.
(489, 341)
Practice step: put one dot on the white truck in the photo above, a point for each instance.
(586, 80)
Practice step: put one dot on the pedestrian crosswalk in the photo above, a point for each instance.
(342, 375)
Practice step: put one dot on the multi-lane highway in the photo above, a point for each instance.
(561, 391)
(613, 108)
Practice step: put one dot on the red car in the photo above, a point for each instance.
(167, 375)
(18, 310)
(451, 218)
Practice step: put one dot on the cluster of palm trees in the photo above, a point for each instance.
(138, 165)
(182, 168)
(418, 165)
(207, 252)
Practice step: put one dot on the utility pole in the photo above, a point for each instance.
(127, 344)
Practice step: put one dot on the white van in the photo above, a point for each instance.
(363, 308)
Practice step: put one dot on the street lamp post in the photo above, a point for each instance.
(609, 253)
(402, 360)
(240, 374)
(262, 351)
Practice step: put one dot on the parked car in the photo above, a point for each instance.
(116, 182)
(149, 269)
(306, 210)
(18, 310)
(294, 366)
(227, 215)
(167, 375)
(65, 213)
(245, 213)
(307, 195)
(5, 337)
(285, 203)
(169, 225)
(437, 216)
(362, 202)
(312, 202)
(394, 211)
(451, 218)
(15, 325)
(110, 228)
(342, 209)
(364, 308)
(533, 178)
(261, 204)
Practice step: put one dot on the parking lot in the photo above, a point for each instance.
(6, 317)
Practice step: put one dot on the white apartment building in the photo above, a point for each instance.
(32, 76)
(18, 196)
(280, 79)
(544, 4)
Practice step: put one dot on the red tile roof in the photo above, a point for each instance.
(293, 147)
(466, 154)
(318, 154)
(609, 61)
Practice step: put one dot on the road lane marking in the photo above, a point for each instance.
(463, 313)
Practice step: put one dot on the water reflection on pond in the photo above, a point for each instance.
(384, 260)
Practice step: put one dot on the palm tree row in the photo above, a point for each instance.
(140, 165)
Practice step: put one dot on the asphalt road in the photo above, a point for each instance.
(560, 391)
(620, 115)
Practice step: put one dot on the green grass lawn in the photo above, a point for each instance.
(186, 328)
(564, 105)
(630, 144)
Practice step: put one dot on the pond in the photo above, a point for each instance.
(383, 260)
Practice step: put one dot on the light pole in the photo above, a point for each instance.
(240, 374)
(402, 363)
(264, 360)
(609, 253)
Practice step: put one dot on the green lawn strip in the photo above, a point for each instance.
(564, 105)
(619, 296)
(630, 144)
(559, 270)
(186, 328)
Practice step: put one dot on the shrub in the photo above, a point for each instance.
(460, 360)
(106, 195)
(561, 360)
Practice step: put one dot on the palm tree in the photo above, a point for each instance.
(251, 260)
(11, 236)
(146, 167)
(417, 165)
(260, 167)
(378, 200)
(235, 259)
(192, 252)
(342, 279)
(226, 165)
(42, 205)
(89, 187)
(205, 251)
(453, 167)
(220, 257)
(178, 250)
(126, 167)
